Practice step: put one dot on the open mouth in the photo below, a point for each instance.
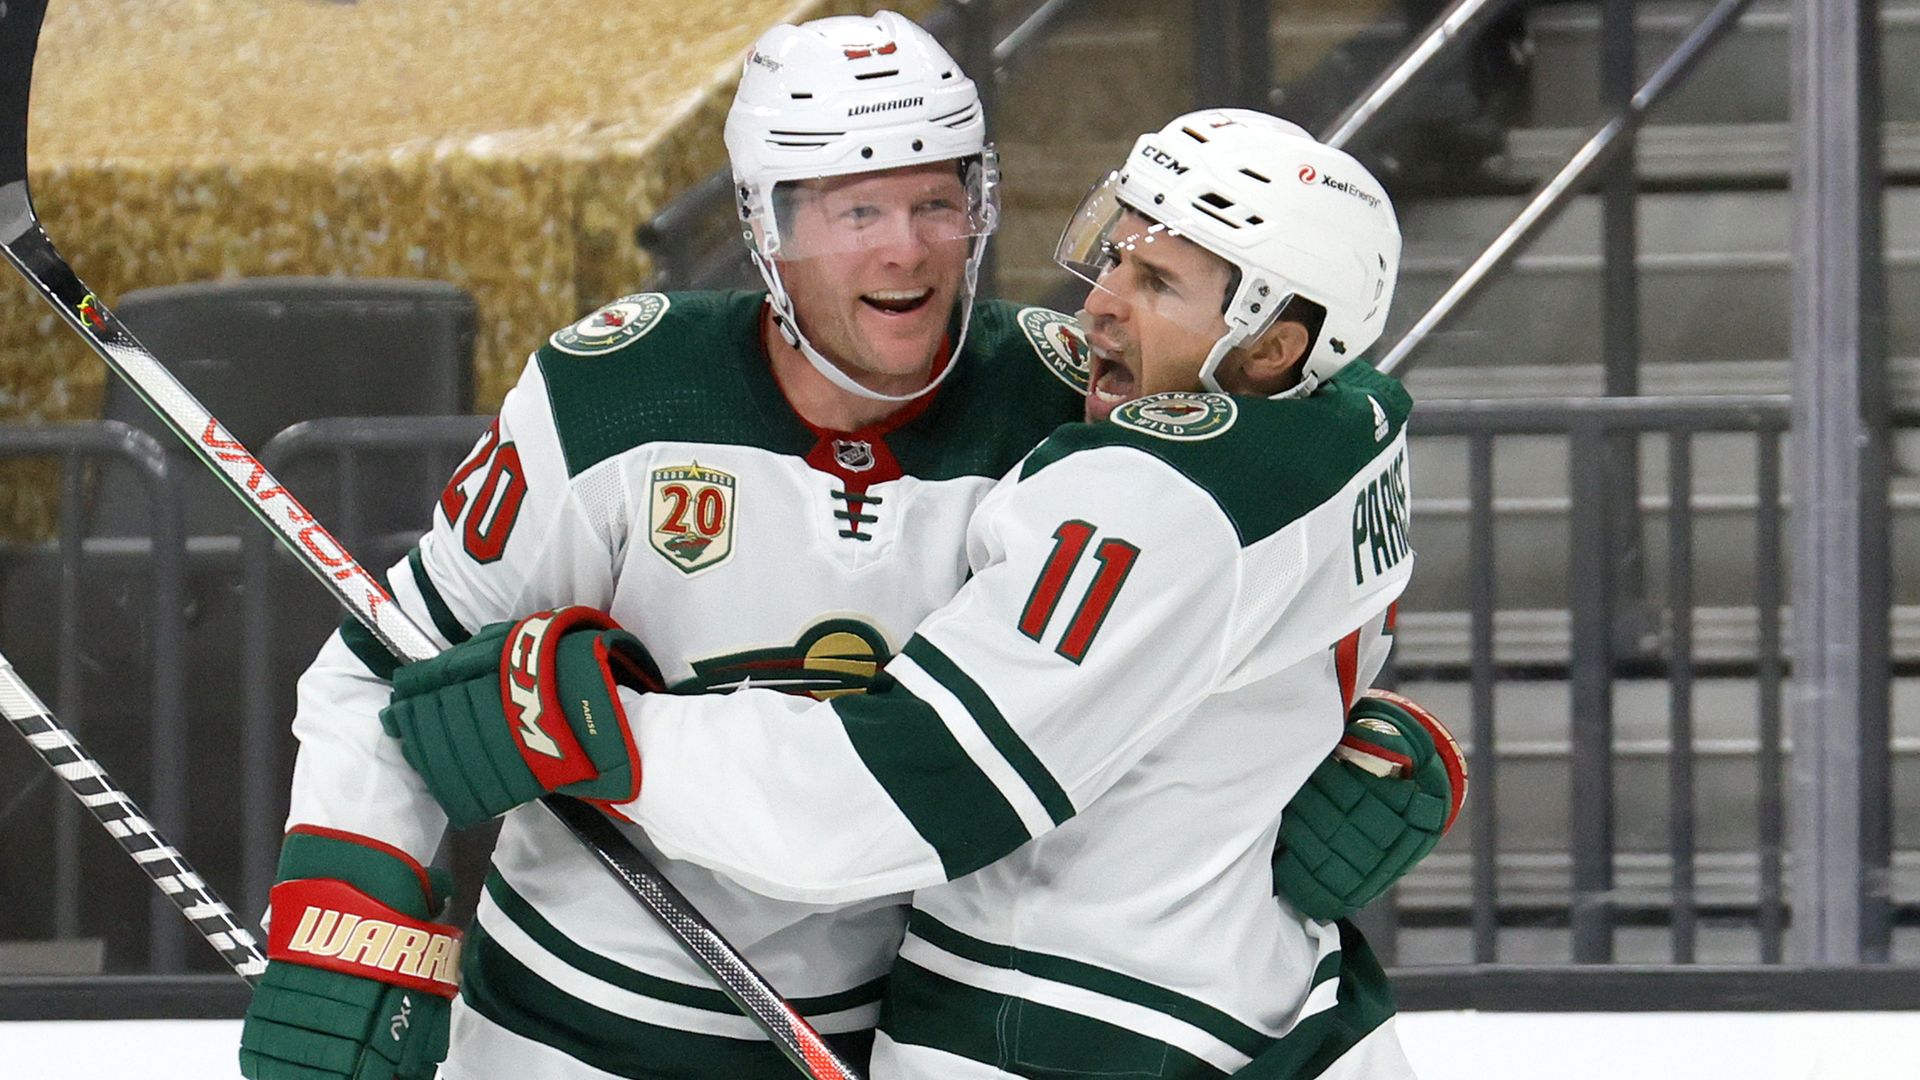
(1112, 382)
(897, 301)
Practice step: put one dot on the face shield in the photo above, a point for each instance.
(942, 215)
(1145, 264)
(878, 211)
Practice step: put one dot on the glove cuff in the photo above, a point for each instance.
(351, 904)
(326, 923)
(382, 871)
(1445, 748)
(534, 700)
(591, 669)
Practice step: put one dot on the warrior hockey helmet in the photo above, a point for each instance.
(845, 95)
(1294, 217)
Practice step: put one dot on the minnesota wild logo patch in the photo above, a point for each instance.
(690, 517)
(1061, 345)
(613, 326)
(831, 658)
(1180, 416)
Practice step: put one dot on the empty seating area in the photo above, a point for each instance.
(162, 625)
(1601, 607)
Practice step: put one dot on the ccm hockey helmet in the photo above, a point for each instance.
(1294, 216)
(844, 95)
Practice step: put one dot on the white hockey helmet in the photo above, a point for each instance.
(1294, 216)
(853, 94)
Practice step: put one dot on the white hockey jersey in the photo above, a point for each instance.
(647, 464)
(1080, 762)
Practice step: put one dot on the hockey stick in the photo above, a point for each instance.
(29, 249)
(123, 819)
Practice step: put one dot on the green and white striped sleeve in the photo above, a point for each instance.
(1098, 614)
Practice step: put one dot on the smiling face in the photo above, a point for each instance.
(873, 263)
(1152, 316)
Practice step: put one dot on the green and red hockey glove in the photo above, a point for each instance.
(359, 979)
(1391, 789)
(522, 709)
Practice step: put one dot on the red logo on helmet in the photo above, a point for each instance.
(1308, 174)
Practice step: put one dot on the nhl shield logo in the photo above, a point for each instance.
(1179, 416)
(626, 319)
(854, 455)
(690, 521)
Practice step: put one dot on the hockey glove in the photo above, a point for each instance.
(1372, 810)
(522, 709)
(358, 979)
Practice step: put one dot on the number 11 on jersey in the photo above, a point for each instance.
(1070, 542)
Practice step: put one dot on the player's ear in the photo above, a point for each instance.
(1271, 362)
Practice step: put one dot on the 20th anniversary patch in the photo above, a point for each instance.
(690, 516)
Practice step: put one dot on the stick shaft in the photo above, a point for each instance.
(31, 251)
(123, 819)
(33, 254)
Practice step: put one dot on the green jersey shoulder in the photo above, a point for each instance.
(657, 367)
(1265, 462)
(1021, 374)
(692, 367)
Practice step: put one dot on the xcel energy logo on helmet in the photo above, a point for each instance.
(1311, 175)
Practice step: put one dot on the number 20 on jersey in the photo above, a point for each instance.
(494, 506)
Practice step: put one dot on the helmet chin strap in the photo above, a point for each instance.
(789, 326)
(1237, 334)
(1210, 367)
(1231, 340)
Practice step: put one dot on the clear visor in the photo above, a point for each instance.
(1145, 264)
(894, 209)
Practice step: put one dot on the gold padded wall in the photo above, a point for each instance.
(504, 146)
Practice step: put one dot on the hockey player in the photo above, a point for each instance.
(1080, 763)
(773, 489)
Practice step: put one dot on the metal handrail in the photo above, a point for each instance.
(264, 732)
(1585, 421)
(1594, 651)
(1455, 26)
(1031, 29)
(1553, 416)
(1600, 149)
(167, 733)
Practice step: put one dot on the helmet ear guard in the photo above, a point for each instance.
(1251, 312)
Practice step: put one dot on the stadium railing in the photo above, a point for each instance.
(47, 591)
(1596, 656)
